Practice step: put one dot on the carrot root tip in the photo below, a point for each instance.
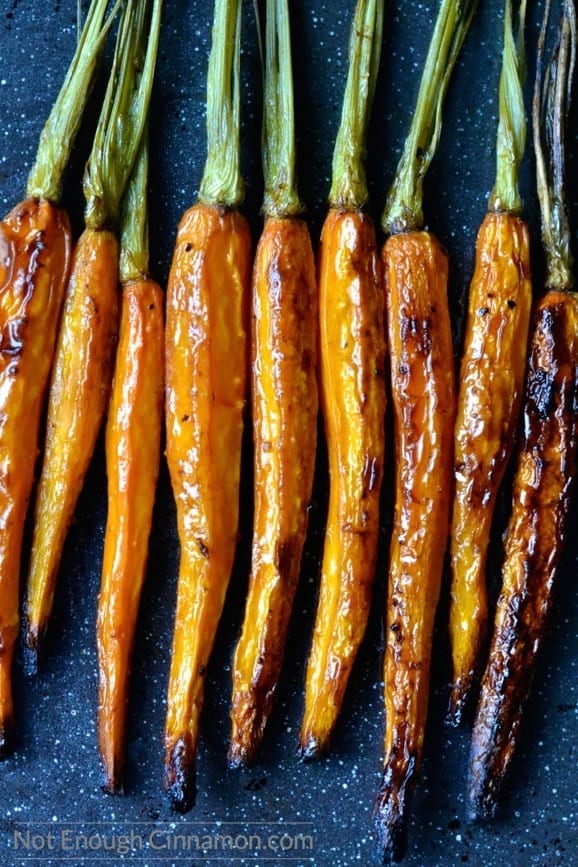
(180, 776)
(310, 748)
(390, 824)
(240, 756)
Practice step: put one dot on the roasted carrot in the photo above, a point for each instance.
(35, 254)
(491, 378)
(546, 467)
(423, 399)
(206, 369)
(352, 389)
(84, 360)
(133, 432)
(284, 404)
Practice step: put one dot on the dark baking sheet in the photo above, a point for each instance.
(51, 784)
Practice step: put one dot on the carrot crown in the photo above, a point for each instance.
(349, 183)
(281, 197)
(222, 183)
(551, 104)
(123, 115)
(404, 207)
(134, 234)
(511, 139)
(61, 128)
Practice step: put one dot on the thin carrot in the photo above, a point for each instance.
(133, 432)
(491, 377)
(35, 254)
(84, 361)
(206, 369)
(352, 386)
(284, 403)
(546, 467)
(422, 393)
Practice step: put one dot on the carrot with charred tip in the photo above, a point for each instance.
(491, 377)
(206, 369)
(35, 254)
(284, 403)
(546, 461)
(133, 432)
(352, 387)
(84, 359)
(423, 398)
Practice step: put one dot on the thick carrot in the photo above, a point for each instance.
(546, 467)
(84, 361)
(284, 404)
(133, 432)
(35, 254)
(491, 379)
(206, 369)
(352, 387)
(423, 399)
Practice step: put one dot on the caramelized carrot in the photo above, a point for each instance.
(84, 361)
(35, 254)
(491, 379)
(284, 403)
(133, 432)
(352, 386)
(546, 467)
(206, 369)
(423, 399)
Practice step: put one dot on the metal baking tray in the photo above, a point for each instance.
(51, 784)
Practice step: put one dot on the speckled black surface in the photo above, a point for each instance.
(54, 776)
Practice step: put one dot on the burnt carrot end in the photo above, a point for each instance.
(352, 390)
(133, 433)
(537, 531)
(491, 385)
(206, 371)
(422, 394)
(35, 241)
(79, 392)
(180, 773)
(284, 403)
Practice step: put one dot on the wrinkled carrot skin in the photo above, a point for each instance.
(284, 403)
(133, 434)
(422, 391)
(490, 393)
(206, 370)
(35, 254)
(79, 392)
(537, 530)
(352, 390)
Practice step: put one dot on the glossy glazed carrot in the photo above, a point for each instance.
(284, 400)
(35, 250)
(35, 254)
(84, 361)
(206, 369)
(546, 464)
(284, 404)
(491, 380)
(352, 390)
(133, 432)
(423, 400)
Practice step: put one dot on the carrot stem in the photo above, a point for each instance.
(134, 232)
(511, 138)
(404, 207)
(61, 128)
(222, 183)
(349, 182)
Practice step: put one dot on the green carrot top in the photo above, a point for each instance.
(281, 197)
(349, 184)
(222, 183)
(404, 207)
(551, 104)
(124, 111)
(511, 139)
(134, 234)
(61, 128)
